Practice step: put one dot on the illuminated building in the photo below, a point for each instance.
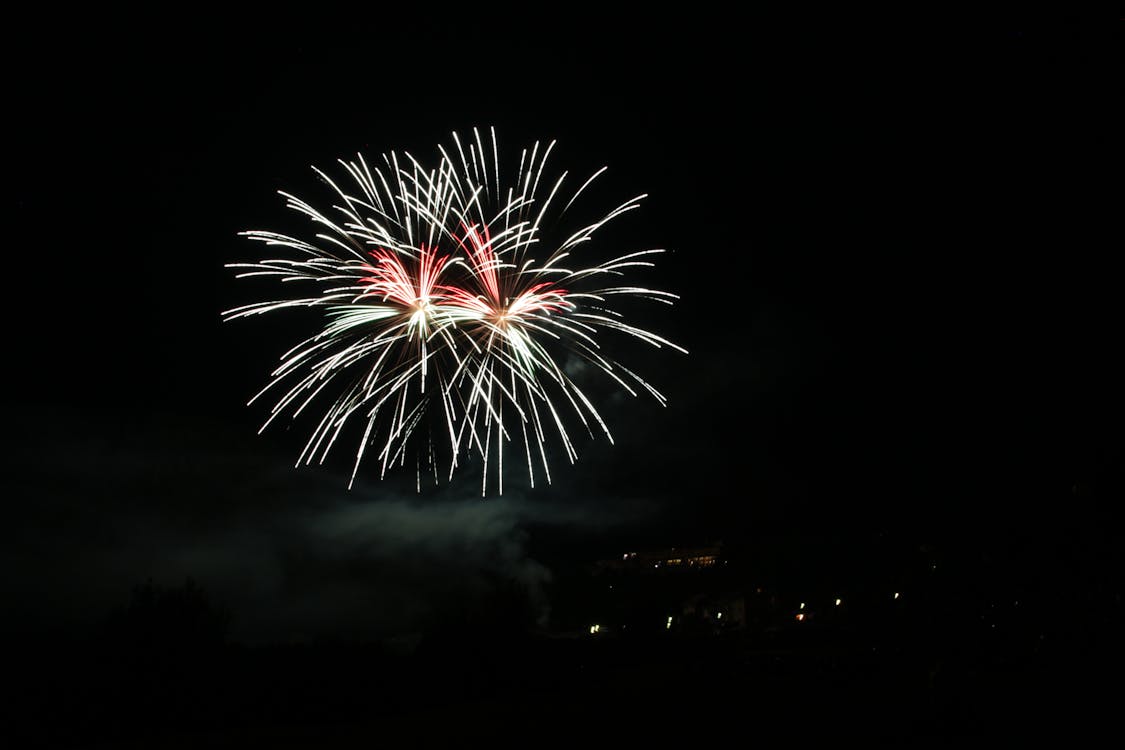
(667, 558)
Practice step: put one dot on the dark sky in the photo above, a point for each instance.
(896, 247)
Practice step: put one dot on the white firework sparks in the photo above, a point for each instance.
(439, 310)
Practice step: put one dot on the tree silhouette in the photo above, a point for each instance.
(175, 620)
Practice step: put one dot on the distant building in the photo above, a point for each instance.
(667, 558)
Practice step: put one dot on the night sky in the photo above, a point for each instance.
(896, 247)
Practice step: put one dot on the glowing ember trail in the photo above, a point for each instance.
(444, 336)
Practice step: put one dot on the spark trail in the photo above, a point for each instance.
(448, 311)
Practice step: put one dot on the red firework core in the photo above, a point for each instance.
(481, 295)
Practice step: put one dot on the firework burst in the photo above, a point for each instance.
(448, 313)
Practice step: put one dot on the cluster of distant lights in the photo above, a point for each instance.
(700, 561)
(800, 616)
(595, 629)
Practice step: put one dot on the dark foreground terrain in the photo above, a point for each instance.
(914, 673)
